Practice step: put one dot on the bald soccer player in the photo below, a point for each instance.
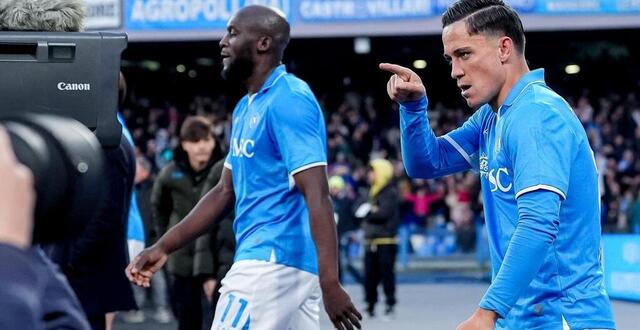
(286, 258)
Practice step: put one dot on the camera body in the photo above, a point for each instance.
(59, 93)
(69, 74)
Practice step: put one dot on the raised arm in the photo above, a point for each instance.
(425, 155)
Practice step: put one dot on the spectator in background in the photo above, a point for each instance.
(422, 200)
(633, 215)
(176, 191)
(346, 224)
(380, 230)
(143, 186)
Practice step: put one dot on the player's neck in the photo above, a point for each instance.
(515, 73)
(261, 73)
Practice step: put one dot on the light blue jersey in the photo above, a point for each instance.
(135, 225)
(541, 203)
(276, 133)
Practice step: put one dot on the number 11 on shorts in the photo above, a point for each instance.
(239, 313)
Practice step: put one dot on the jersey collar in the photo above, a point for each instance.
(533, 77)
(276, 74)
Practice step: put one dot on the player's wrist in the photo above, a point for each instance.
(487, 314)
(163, 246)
(416, 105)
(329, 282)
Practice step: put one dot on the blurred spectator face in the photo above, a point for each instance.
(336, 185)
(199, 151)
(476, 63)
(371, 176)
(197, 141)
(143, 170)
(398, 169)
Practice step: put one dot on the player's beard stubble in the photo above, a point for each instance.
(240, 68)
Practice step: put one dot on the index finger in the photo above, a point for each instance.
(401, 71)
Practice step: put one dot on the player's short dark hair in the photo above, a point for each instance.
(487, 16)
(196, 128)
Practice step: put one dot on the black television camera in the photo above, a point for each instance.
(59, 94)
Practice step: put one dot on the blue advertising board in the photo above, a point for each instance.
(207, 14)
(187, 14)
(207, 19)
(622, 266)
(319, 11)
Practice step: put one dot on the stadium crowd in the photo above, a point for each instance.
(442, 215)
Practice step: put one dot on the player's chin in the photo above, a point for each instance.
(471, 102)
(474, 103)
(224, 73)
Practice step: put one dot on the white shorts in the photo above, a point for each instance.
(135, 247)
(261, 295)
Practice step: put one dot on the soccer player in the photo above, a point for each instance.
(286, 257)
(538, 175)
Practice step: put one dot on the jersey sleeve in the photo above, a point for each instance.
(227, 162)
(428, 156)
(537, 229)
(541, 148)
(466, 138)
(234, 116)
(297, 127)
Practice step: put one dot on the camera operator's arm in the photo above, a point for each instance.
(110, 217)
(209, 209)
(19, 297)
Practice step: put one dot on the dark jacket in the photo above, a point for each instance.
(34, 294)
(177, 190)
(221, 239)
(385, 221)
(20, 294)
(143, 195)
(94, 263)
(343, 207)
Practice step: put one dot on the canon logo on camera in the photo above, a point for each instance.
(63, 86)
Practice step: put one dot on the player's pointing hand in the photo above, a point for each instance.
(405, 85)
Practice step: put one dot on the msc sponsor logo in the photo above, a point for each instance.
(499, 179)
(242, 147)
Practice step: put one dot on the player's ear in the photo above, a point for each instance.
(264, 44)
(506, 48)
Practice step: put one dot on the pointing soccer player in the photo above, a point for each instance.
(286, 257)
(538, 175)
